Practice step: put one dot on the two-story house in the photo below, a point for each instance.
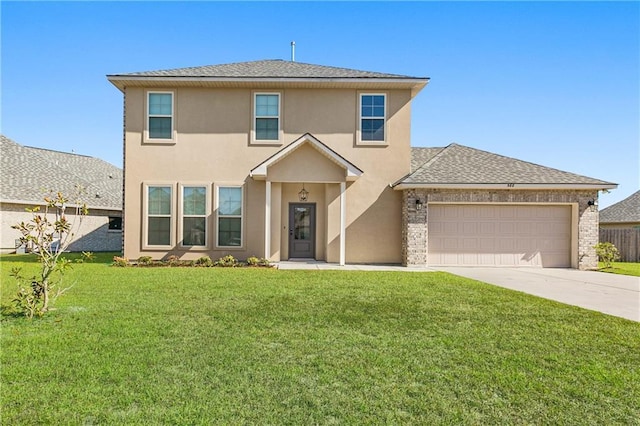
(287, 160)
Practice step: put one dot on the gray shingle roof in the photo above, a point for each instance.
(625, 211)
(27, 174)
(274, 68)
(457, 164)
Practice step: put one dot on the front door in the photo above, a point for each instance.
(302, 230)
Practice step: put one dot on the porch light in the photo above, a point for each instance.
(418, 204)
(593, 204)
(303, 194)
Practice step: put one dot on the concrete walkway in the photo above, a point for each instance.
(612, 294)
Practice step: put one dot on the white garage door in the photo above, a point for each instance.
(499, 235)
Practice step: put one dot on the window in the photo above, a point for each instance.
(230, 216)
(194, 216)
(159, 215)
(267, 116)
(115, 223)
(372, 117)
(160, 107)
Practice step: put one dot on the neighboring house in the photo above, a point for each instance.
(28, 174)
(286, 160)
(620, 225)
(624, 214)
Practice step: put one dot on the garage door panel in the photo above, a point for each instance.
(499, 235)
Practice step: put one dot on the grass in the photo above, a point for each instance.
(262, 346)
(623, 268)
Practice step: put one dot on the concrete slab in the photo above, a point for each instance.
(612, 294)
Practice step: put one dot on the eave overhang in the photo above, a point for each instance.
(510, 186)
(42, 203)
(352, 172)
(124, 81)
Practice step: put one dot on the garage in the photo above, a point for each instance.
(499, 235)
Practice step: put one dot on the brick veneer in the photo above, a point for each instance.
(415, 232)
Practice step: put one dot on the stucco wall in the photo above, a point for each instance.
(415, 231)
(214, 146)
(92, 235)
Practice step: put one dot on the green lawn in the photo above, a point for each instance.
(262, 346)
(623, 268)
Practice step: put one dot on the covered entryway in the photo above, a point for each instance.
(302, 230)
(499, 235)
(313, 225)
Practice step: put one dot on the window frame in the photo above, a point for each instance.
(361, 118)
(110, 227)
(148, 116)
(206, 215)
(255, 117)
(146, 216)
(218, 186)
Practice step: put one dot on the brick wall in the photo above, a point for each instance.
(415, 232)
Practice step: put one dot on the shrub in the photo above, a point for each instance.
(204, 261)
(607, 253)
(120, 261)
(227, 261)
(145, 260)
(254, 261)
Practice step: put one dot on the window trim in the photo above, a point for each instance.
(207, 214)
(148, 116)
(385, 140)
(218, 216)
(254, 118)
(145, 216)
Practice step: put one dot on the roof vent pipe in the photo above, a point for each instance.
(293, 51)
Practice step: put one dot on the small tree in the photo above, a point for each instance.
(607, 253)
(49, 233)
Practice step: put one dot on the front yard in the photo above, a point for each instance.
(262, 346)
(623, 268)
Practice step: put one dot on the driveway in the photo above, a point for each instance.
(617, 295)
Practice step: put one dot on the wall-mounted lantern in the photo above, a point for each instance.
(303, 194)
(418, 204)
(593, 204)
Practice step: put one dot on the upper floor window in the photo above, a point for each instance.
(160, 116)
(267, 116)
(372, 117)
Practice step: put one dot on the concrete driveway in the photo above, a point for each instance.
(617, 295)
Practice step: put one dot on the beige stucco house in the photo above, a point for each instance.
(287, 160)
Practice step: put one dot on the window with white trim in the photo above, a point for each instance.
(267, 116)
(160, 115)
(194, 215)
(372, 117)
(230, 210)
(159, 215)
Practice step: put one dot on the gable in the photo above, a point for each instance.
(306, 159)
(306, 164)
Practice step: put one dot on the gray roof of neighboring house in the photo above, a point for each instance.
(274, 68)
(458, 164)
(625, 211)
(28, 174)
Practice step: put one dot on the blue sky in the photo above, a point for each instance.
(552, 83)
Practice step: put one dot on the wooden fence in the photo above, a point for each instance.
(627, 242)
